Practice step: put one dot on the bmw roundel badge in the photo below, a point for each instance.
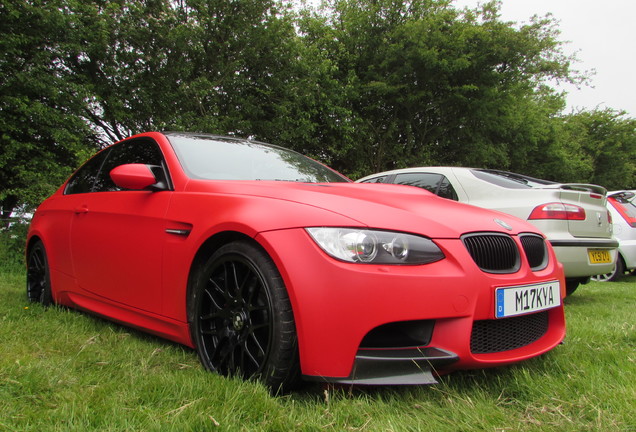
(503, 224)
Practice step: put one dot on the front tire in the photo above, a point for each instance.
(38, 284)
(570, 286)
(241, 318)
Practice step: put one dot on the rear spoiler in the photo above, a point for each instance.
(596, 189)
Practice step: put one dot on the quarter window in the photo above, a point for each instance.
(446, 190)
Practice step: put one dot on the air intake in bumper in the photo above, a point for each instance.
(492, 336)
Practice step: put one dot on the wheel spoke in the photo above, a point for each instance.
(247, 355)
(252, 290)
(219, 354)
(257, 343)
(231, 281)
(37, 262)
(257, 308)
(214, 315)
(210, 297)
(211, 332)
(216, 290)
(259, 326)
(227, 358)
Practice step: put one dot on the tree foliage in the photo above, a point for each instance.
(607, 140)
(363, 85)
(42, 136)
(433, 85)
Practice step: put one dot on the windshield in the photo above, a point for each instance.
(221, 158)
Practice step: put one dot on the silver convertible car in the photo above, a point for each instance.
(573, 217)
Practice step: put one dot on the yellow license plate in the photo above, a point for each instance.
(599, 256)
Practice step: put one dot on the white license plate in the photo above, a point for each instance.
(523, 299)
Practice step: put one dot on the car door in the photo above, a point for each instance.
(117, 236)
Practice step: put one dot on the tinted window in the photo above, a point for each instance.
(381, 179)
(94, 176)
(143, 151)
(218, 158)
(84, 179)
(434, 183)
(427, 181)
(446, 190)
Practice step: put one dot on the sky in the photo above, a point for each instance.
(603, 36)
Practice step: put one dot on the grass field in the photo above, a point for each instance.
(61, 370)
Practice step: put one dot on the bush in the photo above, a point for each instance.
(12, 241)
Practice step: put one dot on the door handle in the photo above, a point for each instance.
(81, 209)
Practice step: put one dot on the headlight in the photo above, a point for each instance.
(375, 246)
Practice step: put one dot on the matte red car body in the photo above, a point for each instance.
(113, 254)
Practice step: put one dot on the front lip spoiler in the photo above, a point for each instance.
(604, 243)
(410, 366)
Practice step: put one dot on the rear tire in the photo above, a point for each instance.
(242, 322)
(614, 275)
(38, 283)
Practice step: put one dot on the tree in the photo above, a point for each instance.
(78, 75)
(207, 66)
(363, 85)
(433, 85)
(42, 138)
(608, 139)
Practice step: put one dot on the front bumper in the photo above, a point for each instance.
(395, 367)
(336, 305)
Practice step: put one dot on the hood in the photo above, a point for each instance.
(380, 206)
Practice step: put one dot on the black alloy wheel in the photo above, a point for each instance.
(38, 277)
(242, 321)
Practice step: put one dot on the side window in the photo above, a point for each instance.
(427, 181)
(381, 179)
(84, 178)
(144, 151)
(446, 190)
(434, 183)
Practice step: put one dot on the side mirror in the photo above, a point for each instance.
(133, 176)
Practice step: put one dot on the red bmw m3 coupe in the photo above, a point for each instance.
(275, 267)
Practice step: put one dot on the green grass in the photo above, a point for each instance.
(62, 370)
